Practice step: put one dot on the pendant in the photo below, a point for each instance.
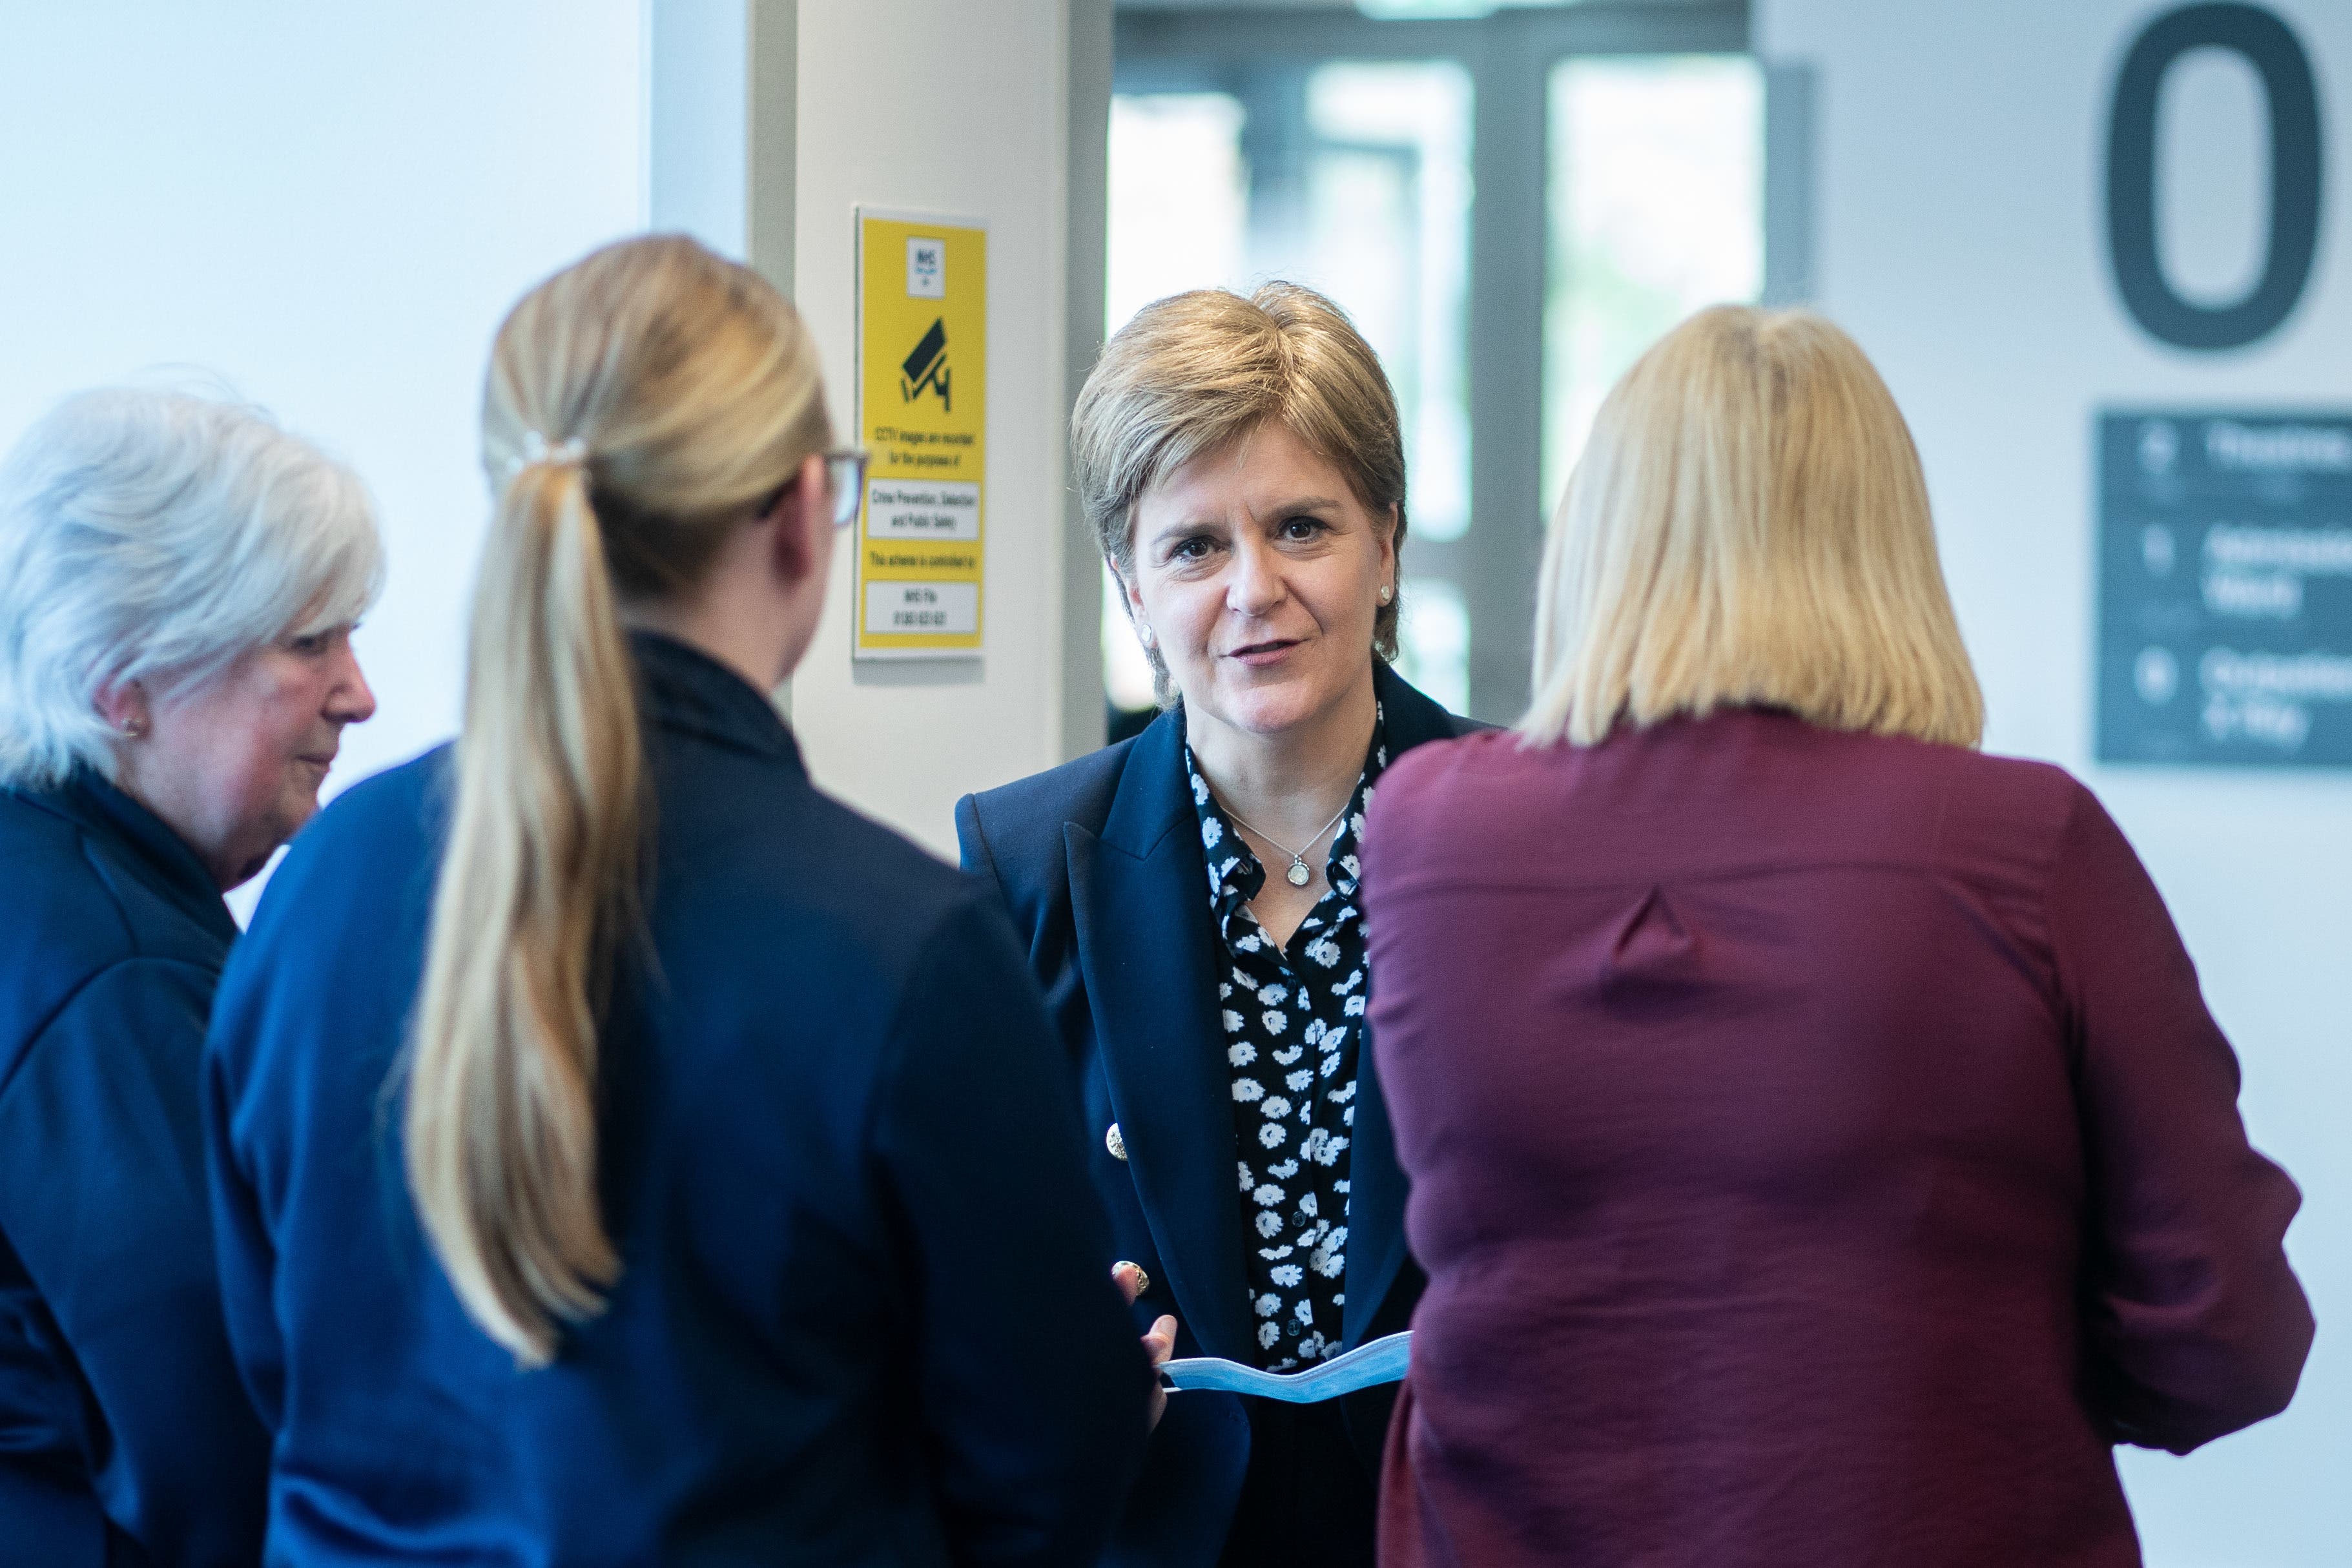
(1298, 874)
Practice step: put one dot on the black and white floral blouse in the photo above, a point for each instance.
(1293, 1032)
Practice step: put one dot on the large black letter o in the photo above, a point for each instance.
(2271, 48)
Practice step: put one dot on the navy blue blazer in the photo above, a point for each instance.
(125, 1437)
(1100, 862)
(861, 1317)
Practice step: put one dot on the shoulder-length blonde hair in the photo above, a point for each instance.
(642, 405)
(1749, 524)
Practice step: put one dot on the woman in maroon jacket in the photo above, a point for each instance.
(1821, 1152)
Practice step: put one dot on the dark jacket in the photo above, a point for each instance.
(861, 1317)
(125, 1437)
(1820, 1151)
(1099, 861)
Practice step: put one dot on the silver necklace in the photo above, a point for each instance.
(1298, 875)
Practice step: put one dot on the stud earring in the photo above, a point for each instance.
(1143, 632)
(134, 729)
(1386, 592)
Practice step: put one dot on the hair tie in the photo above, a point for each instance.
(570, 453)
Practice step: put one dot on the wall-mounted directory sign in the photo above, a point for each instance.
(923, 410)
(2225, 588)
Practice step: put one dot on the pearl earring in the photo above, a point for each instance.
(1386, 592)
(1143, 632)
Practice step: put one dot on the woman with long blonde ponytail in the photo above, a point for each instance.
(622, 1152)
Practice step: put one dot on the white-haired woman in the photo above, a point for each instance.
(625, 1152)
(1821, 1152)
(179, 578)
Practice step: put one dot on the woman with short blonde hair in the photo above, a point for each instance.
(1196, 373)
(625, 1153)
(1243, 465)
(1819, 1148)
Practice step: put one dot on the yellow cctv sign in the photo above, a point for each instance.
(922, 403)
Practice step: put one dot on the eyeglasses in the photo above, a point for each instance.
(844, 469)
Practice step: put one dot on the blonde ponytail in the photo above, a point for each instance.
(681, 391)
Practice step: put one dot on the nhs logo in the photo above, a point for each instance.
(926, 268)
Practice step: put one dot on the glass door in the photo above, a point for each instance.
(1619, 158)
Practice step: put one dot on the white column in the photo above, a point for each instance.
(948, 106)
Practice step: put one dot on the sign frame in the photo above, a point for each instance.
(2223, 571)
(927, 469)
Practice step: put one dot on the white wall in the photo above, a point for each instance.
(945, 105)
(333, 206)
(1960, 236)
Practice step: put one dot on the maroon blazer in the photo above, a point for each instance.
(1820, 1155)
